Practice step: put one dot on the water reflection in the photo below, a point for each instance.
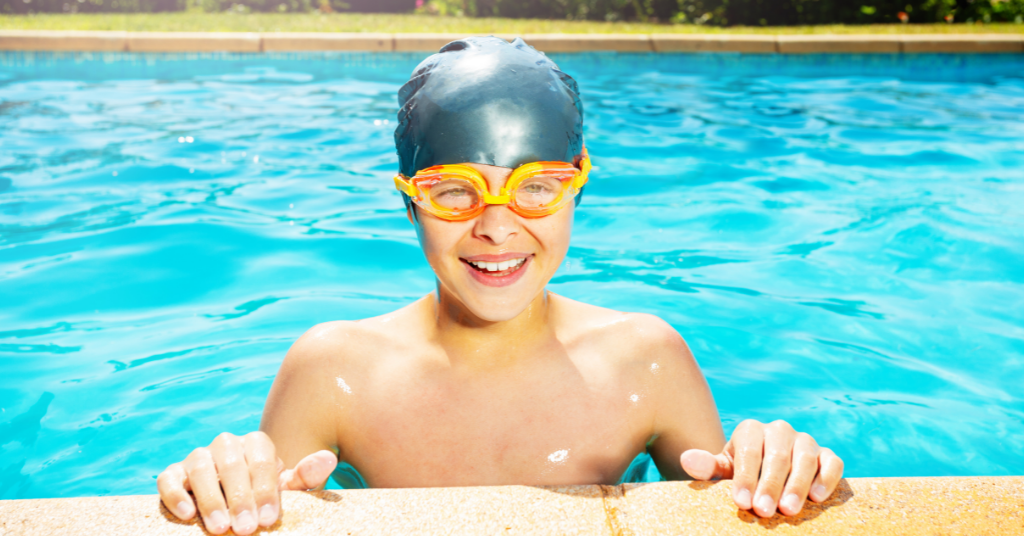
(837, 239)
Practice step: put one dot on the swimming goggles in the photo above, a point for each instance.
(457, 192)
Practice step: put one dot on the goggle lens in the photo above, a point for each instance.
(541, 192)
(458, 192)
(454, 194)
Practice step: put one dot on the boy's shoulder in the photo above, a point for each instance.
(336, 342)
(637, 338)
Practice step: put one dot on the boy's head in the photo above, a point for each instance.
(487, 101)
(490, 148)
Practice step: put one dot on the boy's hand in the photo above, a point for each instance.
(242, 475)
(791, 465)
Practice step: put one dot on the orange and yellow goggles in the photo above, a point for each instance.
(457, 192)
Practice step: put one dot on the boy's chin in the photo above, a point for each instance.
(498, 310)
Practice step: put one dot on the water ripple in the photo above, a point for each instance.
(837, 237)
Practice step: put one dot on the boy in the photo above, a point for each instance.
(491, 379)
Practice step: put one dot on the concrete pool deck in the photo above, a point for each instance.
(868, 506)
(90, 41)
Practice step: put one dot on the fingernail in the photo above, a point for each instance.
(818, 492)
(268, 515)
(244, 522)
(743, 499)
(218, 521)
(791, 502)
(184, 509)
(766, 505)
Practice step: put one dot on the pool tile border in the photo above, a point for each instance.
(860, 506)
(750, 43)
(192, 42)
(63, 41)
(295, 42)
(839, 44)
(42, 40)
(963, 43)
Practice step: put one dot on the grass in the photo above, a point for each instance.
(402, 23)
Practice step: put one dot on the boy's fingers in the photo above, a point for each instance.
(202, 475)
(310, 472)
(805, 466)
(779, 437)
(829, 475)
(702, 465)
(172, 486)
(263, 463)
(229, 457)
(747, 444)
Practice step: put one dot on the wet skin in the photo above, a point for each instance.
(491, 380)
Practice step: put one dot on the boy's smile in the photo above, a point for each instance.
(497, 270)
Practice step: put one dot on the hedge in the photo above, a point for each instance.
(741, 12)
(150, 6)
(709, 12)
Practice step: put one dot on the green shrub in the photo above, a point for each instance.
(740, 12)
(361, 6)
(243, 6)
(90, 6)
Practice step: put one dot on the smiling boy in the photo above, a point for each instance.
(491, 379)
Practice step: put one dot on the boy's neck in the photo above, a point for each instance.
(472, 342)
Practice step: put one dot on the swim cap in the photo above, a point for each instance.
(487, 101)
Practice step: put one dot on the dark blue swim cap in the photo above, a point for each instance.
(487, 101)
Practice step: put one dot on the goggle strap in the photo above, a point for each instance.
(406, 187)
(581, 178)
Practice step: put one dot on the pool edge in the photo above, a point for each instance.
(119, 41)
(876, 506)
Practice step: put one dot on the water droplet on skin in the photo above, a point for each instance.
(654, 368)
(344, 386)
(634, 398)
(558, 456)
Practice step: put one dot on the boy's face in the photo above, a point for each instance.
(498, 262)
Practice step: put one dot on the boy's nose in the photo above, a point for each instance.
(497, 225)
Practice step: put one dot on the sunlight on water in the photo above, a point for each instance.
(839, 239)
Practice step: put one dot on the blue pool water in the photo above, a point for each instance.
(839, 238)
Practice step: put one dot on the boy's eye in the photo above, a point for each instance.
(538, 191)
(454, 194)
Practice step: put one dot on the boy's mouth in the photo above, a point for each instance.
(498, 269)
(498, 273)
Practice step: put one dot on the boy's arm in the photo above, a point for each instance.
(236, 480)
(300, 415)
(686, 416)
(772, 465)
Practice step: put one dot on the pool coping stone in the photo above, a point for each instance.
(860, 506)
(118, 41)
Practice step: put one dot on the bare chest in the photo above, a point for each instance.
(444, 432)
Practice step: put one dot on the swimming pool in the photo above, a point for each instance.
(839, 239)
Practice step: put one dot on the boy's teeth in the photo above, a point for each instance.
(499, 266)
